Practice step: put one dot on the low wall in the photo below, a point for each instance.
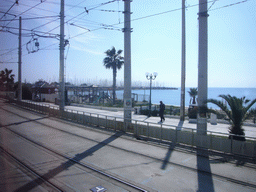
(49, 97)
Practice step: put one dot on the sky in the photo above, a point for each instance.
(94, 26)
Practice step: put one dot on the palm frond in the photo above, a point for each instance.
(237, 111)
(246, 109)
(222, 106)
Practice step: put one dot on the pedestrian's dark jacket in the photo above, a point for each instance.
(162, 108)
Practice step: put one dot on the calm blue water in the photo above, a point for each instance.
(172, 97)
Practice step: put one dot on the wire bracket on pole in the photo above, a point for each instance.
(127, 29)
(203, 14)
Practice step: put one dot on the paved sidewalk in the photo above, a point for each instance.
(250, 131)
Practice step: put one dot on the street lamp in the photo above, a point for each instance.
(150, 77)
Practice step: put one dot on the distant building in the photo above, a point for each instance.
(44, 92)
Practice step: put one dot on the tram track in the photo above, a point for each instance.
(71, 161)
(130, 186)
(82, 137)
(32, 174)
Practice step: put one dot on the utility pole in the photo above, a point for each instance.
(183, 66)
(19, 63)
(202, 68)
(127, 64)
(61, 72)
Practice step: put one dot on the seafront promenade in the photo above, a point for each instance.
(58, 150)
(172, 130)
(222, 127)
(173, 122)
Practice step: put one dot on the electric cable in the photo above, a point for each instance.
(32, 18)
(16, 2)
(140, 18)
(211, 5)
(24, 12)
(229, 5)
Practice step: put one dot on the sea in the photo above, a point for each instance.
(172, 96)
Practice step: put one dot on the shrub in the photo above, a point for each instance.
(146, 112)
(192, 113)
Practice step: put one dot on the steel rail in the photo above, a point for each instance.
(28, 168)
(192, 169)
(79, 163)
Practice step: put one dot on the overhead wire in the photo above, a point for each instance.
(34, 28)
(29, 30)
(144, 17)
(45, 24)
(16, 2)
(211, 5)
(39, 8)
(25, 11)
(83, 13)
(161, 13)
(230, 5)
(23, 29)
(31, 18)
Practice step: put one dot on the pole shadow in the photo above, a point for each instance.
(180, 125)
(168, 156)
(64, 166)
(26, 121)
(171, 148)
(204, 174)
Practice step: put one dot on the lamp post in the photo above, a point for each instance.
(150, 77)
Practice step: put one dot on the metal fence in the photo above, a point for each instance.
(212, 140)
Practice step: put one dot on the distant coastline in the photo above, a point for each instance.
(172, 96)
(155, 88)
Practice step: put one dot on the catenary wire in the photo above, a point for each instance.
(152, 16)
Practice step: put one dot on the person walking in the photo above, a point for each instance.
(161, 111)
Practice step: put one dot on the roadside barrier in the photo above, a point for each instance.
(215, 141)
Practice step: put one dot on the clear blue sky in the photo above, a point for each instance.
(156, 41)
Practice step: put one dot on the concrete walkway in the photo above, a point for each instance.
(250, 131)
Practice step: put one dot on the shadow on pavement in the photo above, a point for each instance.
(204, 174)
(170, 150)
(21, 122)
(64, 166)
(168, 156)
(180, 125)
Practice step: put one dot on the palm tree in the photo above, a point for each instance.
(193, 93)
(6, 79)
(237, 112)
(253, 114)
(114, 61)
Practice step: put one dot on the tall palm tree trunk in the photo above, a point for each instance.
(114, 85)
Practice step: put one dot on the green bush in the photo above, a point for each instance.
(154, 113)
(146, 112)
(192, 113)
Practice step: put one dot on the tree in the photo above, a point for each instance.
(253, 114)
(193, 93)
(237, 112)
(41, 83)
(6, 80)
(113, 61)
(26, 90)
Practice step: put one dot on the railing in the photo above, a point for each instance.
(216, 141)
